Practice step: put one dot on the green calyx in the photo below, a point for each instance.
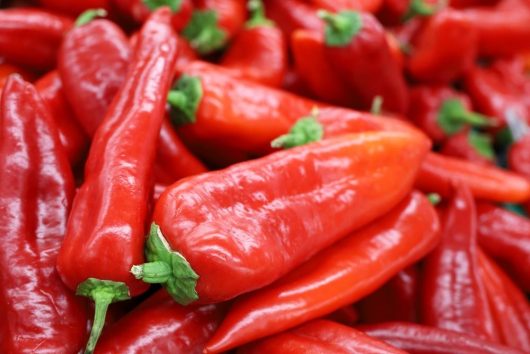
(453, 116)
(341, 28)
(174, 5)
(482, 143)
(377, 105)
(168, 268)
(203, 32)
(103, 293)
(184, 99)
(434, 198)
(89, 15)
(418, 8)
(304, 131)
(257, 15)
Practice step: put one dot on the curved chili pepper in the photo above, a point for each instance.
(139, 10)
(316, 71)
(258, 52)
(291, 15)
(418, 339)
(341, 5)
(161, 325)
(223, 241)
(441, 111)
(320, 337)
(472, 146)
(453, 294)
(509, 305)
(519, 156)
(397, 300)
(444, 49)
(349, 36)
(31, 37)
(101, 245)
(35, 197)
(73, 137)
(74, 8)
(506, 237)
(340, 275)
(485, 182)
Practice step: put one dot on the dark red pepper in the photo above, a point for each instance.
(454, 296)
(74, 8)
(341, 5)
(31, 37)
(103, 241)
(8, 69)
(291, 15)
(40, 313)
(394, 12)
(519, 156)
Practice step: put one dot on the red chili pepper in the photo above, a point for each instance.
(309, 53)
(340, 275)
(8, 69)
(395, 12)
(444, 49)
(31, 37)
(73, 138)
(40, 313)
(349, 36)
(418, 339)
(519, 156)
(258, 52)
(453, 294)
(472, 146)
(139, 10)
(341, 5)
(320, 337)
(485, 182)
(101, 245)
(441, 111)
(509, 305)
(291, 15)
(161, 325)
(499, 89)
(397, 300)
(74, 8)
(506, 237)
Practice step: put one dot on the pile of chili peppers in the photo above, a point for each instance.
(265, 176)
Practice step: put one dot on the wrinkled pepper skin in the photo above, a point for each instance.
(160, 325)
(291, 15)
(320, 337)
(486, 182)
(259, 54)
(139, 12)
(454, 296)
(74, 8)
(418, 339)
(368, 67)
(519, 156)
(444, 49)
(509, 305)
(505, 236)
(276, 219)
(103, 241)
(93, 62)
(73, 137)
(340, 275)
(40, 313)
(31, 37)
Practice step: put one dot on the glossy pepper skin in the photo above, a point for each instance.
(102, 241)
(349, 37)
(160, 325)
(291, 15)
(31, 37)
(397, 300)
(320, 337)
(509, 305)
(35, 197)
(419, 339)
(444, 49)
(138, 11)
(505, 236)
(259, 51)
(275, 219)
(340, 275)
(73, 137)
(454, 296)
(74, 8)
(486, 182)
(234, 113)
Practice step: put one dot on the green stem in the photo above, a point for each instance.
(453, 116)
(341, 28)
(88, 16)
(203, 32)
(304, 131)
(337, 22)
(174, 5)
(418, 8)
(184, 100)
(434, 198)
(102, 303)
(257, 15)
(377, 105)
(152, 272)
